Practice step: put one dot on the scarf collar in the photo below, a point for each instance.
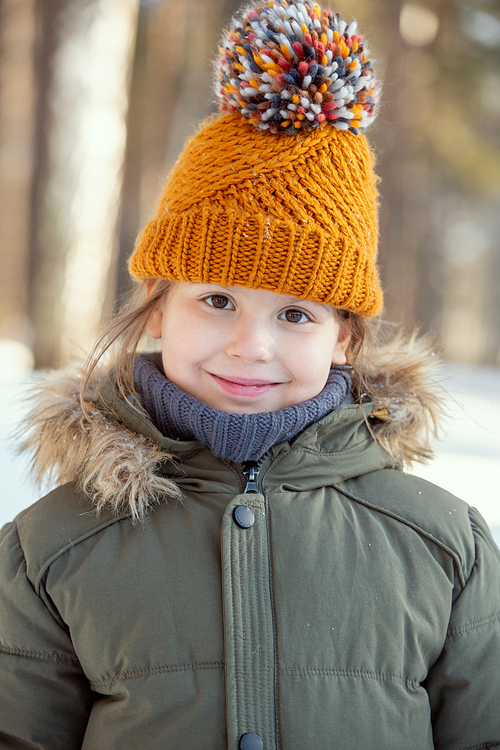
(235, 437)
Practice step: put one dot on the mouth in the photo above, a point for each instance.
(244, 386)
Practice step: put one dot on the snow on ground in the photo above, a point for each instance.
(467, 459)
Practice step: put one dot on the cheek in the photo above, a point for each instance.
(312, 363)
(185, 343)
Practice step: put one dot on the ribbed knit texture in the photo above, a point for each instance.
(294, 215)
(235, 437)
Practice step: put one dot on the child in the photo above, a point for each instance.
(234, 557)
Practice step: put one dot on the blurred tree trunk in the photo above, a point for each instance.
(410, 263)
(85, 66)
(16, 163)
(46, 254)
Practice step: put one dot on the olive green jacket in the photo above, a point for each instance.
(359, 609)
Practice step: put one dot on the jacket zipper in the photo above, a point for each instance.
(251, 473)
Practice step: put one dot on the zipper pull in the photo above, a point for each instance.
(251, 473)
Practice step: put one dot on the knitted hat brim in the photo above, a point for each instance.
(287, 259)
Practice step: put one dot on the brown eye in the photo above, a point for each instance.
(219, 301)
(296, 316)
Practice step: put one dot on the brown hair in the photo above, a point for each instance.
(123, 336)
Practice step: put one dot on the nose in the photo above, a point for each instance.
(250, 340)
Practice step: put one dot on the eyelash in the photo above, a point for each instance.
(218, 296)
(281, 316)
(295, 310)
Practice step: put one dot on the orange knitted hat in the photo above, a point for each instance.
(250, 203)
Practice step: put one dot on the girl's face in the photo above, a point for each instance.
(246, 350)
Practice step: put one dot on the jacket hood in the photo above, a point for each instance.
(123, 463)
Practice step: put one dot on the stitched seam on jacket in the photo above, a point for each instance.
(273, 625)
(46, 656)
(397, 517)
(358, 673)
(233, 618)
(129, 674)
(485, 746)
(260, 583)
(474, 625)
(71, 544)
(411, 525)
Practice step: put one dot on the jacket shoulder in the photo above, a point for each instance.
(432, 511)
(55, 524)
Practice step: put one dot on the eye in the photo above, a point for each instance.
(219, 301)
(295, 316)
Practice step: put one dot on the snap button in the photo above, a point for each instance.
(244, 517)
(251, 741)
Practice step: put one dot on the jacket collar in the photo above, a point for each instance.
(336, 448)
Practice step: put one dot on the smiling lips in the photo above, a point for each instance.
(244, 386)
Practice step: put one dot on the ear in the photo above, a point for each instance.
(154, 325)
(343, 341)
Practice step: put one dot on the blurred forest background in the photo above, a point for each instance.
(98, 96)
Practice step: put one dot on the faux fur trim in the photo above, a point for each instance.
(401, 376)
(119, 469)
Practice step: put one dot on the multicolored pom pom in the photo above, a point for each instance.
(288, 65)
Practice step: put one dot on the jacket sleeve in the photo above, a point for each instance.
(45, 699)
(464, 684)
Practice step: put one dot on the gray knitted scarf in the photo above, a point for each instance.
(235, 437)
